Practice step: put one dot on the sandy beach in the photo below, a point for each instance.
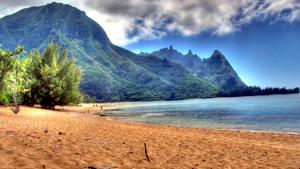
(74, 137)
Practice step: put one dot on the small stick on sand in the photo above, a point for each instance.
(146, 152)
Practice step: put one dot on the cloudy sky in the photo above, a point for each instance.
(259, 37)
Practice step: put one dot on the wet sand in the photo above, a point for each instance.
(77, 137)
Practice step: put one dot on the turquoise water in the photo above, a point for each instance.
(279, 113)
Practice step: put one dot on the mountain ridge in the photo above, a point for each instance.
(111, 73)
(216, 69)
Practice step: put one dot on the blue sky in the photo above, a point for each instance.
(262, 53)
(260, 38)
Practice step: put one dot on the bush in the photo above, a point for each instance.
(55, 78)
(4, 100)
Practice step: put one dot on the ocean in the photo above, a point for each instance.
(274, 113)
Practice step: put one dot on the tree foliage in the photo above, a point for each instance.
(254, 90)
(8, 62)
(55, 78)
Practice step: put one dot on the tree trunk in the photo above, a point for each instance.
(15, 94)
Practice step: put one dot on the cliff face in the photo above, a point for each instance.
(216, 69)
(110, 73)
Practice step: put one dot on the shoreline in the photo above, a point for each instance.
(119, 119)
(113, 111)
(124, 120)
(75, 137)
(141, 101)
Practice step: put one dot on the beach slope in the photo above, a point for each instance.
(77, 138)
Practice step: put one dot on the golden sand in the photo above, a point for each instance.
(75, 138)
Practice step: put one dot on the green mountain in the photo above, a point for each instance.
(111, 73)
(216, 69)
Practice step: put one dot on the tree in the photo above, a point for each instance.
(7, 61)
(254, 90)
(8, 65)
(55, 78)
(18, 80)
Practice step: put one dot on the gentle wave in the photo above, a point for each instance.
(279, 113)
(153, 114)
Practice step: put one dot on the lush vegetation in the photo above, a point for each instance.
(254, 90)
(10, 76)
(218, 71)
(110, 73)
(46, 79)
(215, 69)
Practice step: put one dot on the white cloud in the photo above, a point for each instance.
(128, 21)
(189, 17)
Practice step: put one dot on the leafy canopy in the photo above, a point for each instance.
(8, 61)
(55, 78)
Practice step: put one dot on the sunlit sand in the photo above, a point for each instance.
(77, 137)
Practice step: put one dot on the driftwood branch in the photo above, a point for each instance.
(146, 152)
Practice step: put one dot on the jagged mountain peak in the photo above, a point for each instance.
(190, 52)
(172, 51)
(169, 51)
(217, 52)
(110, 73)
(215, 69)
(217, 58)
(31, 26)
(218, 55)
(59, 6)
(56, 3)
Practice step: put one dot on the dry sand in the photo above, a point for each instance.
(74, 138)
